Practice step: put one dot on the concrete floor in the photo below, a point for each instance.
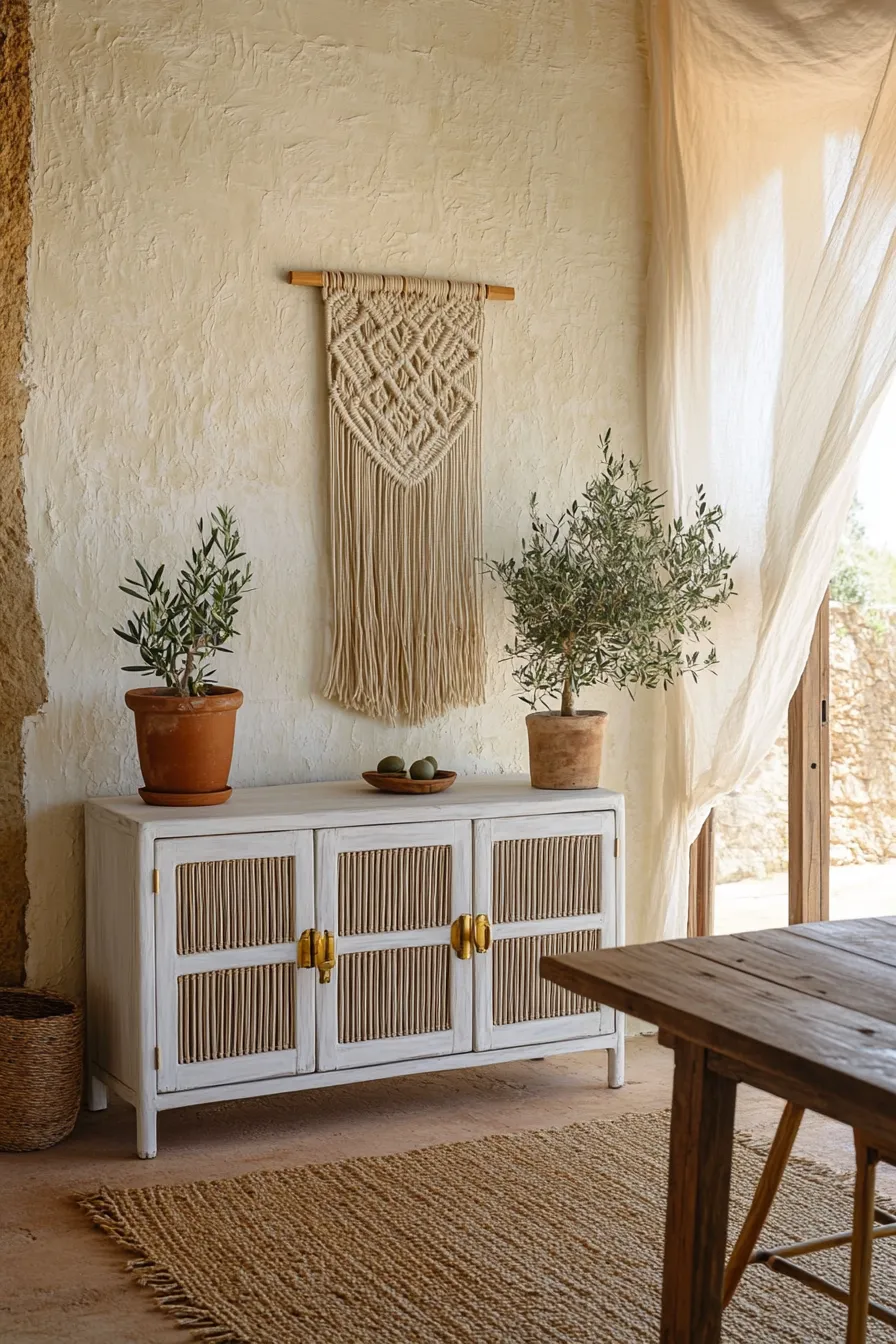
(61, 1280)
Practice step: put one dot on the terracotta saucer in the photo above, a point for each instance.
(442, 780)
(184, 799)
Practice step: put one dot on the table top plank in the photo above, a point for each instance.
(766, 1025)
(874, 939)
(806, 966)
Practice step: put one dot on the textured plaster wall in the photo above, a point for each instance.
(22, 686)
(185, 157)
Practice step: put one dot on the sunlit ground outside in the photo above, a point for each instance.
(751, 824)
(860, 890)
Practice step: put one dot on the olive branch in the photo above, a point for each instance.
(178, 631)
(609, 593)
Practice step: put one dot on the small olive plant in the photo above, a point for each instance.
(608, 593)
(178, 631)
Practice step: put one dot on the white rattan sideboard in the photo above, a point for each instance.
(313, 934)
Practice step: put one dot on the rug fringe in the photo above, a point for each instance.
(170, 1294)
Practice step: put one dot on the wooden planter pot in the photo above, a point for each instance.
(565, 751)
(185, 744)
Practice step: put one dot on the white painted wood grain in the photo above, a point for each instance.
(334, 1054)
(241, 1068)
(345, 803)
(198, 963)
(370, 1073)
(170, 853)
(147, 1030)
(372, 942)
(113, 953)
(117, 1086)
(488, 833)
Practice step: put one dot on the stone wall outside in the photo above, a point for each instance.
(751, 823)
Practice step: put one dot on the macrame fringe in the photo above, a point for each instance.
(408, 640)
(169, 1293)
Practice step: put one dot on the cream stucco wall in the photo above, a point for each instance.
(185, 157)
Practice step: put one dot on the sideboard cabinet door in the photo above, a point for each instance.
(231, 1003)
(543, 885)
(389, 896)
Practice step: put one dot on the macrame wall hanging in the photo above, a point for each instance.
(403, 359)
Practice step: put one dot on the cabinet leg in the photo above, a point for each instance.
(616, 1064)
(97, 1094)
(146, 1131)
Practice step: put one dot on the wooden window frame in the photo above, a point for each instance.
(808, 801)
(702, 883)
(809, 781)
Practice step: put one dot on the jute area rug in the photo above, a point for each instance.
(548, 1236)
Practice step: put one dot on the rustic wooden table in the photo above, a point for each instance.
(806, 1013)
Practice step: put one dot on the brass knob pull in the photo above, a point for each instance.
(325, 958)
(462, 936)
(482, 933)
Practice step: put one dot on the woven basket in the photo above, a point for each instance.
(41, 1065)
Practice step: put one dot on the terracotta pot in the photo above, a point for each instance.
(185, 744)
(565, 751)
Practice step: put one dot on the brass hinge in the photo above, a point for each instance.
(482, 933)
(158, 1058)
(616, 848)
(155, 881)
(462, 936)
(325, 957)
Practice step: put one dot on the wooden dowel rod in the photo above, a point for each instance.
(315, 279)
(828, 1289)
(819, 1244)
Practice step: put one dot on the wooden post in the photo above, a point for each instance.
(702, 884)
(809, 789)
(700, 1152)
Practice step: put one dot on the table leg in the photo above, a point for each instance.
(862, 1240)
(697, 1211)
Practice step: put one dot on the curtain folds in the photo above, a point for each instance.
(771, 341)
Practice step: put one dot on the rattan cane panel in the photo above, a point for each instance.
(519, 994)
(545, 878)
(229, 903)
(392, 890)
(400, 991)
(246, 1010)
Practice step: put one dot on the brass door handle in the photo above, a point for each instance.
(482, 933)
(306, 949)
(325, 958)
(462, 936)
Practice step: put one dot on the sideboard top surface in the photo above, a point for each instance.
(350, 803)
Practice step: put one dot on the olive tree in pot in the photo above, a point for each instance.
(185, 728)
(607, 593)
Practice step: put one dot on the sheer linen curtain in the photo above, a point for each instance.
(771, 340)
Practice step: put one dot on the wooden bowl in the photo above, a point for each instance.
(442, 780)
